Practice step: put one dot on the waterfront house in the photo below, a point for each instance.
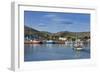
(62, 38)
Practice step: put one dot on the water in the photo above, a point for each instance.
(44, 52)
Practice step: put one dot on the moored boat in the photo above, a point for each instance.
(78, 46)
(49, 42)
(33, 42)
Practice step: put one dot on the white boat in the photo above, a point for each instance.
(66, 42)
(49, 42)
(78, 46)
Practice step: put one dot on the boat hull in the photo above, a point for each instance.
(78, 48)
(32, 42)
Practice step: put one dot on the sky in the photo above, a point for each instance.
(56, 21)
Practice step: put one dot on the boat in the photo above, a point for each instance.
(36, 42)
(33, 42)
(66, 42)
(78, 45)
(49, 42)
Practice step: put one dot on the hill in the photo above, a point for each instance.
(48, 35)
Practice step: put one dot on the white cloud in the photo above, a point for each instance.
(55, 19)
(50, 15)
(41, 24)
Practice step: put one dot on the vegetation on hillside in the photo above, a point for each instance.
(55, 36)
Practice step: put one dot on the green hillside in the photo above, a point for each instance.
(48, 35)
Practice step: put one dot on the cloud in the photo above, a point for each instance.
(62, 21)
(67, 22)
(50, 15)
(41, 24)
(57, 20)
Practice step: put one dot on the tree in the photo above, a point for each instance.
(73, 39)
(69, 38)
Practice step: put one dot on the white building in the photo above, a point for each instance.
(62, 38)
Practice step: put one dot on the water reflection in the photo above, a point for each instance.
(41, 52)
(77, 54)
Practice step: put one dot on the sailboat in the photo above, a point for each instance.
(78, 45)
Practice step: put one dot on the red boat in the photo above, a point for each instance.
(33, 42)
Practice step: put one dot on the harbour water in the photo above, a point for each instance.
(45, 52)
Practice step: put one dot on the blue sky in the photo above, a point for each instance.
(57, 21)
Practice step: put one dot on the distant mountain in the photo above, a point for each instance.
(29, 30)
(64, 33)
(83, 34)
(32, 31)
(68, 33)
(45, 34)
